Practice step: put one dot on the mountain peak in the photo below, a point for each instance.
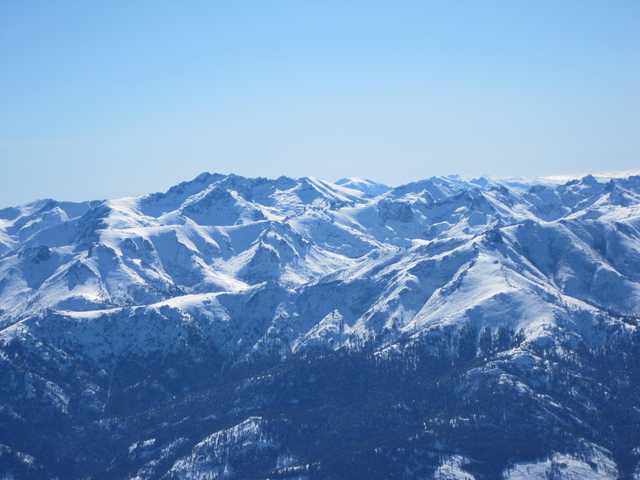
(219, 328)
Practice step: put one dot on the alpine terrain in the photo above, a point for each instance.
(253, 328)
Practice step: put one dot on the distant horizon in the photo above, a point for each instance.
(552, 179)
(109, 100)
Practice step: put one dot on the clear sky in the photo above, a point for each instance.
(105, 99)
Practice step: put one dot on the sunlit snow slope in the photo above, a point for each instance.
(248, 270)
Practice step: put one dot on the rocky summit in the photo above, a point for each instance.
(253, 328)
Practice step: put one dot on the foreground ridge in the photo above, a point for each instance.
(236, 327)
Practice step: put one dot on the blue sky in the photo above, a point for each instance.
(104, 99)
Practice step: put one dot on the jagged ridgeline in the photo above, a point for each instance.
(250, 328)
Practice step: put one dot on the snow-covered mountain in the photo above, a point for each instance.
(237, 327)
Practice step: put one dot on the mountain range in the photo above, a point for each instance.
(254, 328)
